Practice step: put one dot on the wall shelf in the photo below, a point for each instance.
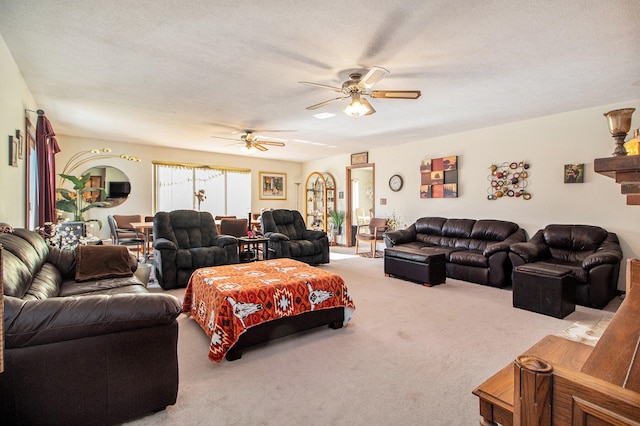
(625, 170)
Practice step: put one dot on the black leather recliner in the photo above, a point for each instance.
(185, 240)
(289, 237)
(592, 253)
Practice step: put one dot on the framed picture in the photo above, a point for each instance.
(273, 186)
(13, 151)
(359, 158)
(574, 173)
(20, 138)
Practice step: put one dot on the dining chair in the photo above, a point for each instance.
(376, 229)
(128, 235)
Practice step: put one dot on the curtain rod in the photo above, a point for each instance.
(39, 112)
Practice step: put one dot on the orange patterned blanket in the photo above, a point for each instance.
(227, 300)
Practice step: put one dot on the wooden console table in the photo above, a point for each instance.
(626, 171)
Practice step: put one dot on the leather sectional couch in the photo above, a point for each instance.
(474, 250)
(85, 342)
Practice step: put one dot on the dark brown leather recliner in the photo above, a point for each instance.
(185, 240)
(592, 254)
(85, 342)
(289, 237)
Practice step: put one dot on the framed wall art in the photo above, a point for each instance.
(359, 158)
(439, 177)
(13, 151)
(20, 138)
(574, 173)
(273, 186)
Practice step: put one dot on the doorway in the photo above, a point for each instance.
(360, 195)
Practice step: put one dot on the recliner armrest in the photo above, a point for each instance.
(276, 236)
(164, 244)
(311, 234)
(602, 257)
(225, 240)
(530, 251)
(39, 322)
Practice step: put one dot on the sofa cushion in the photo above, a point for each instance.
(574, 237)
(430, 225)
(493, 230)
(25, 253)
(470, 258)
(458, 228)
(98, 262)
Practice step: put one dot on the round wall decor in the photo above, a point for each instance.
(395, 183)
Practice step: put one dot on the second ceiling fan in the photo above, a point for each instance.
(358, 86)
(250, 140)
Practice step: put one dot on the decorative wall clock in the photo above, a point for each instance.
(395, 183)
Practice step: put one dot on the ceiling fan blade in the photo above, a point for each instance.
(324, 86)
(396, 94)
(259, 147)
(374, 75)
(271, 143)
(321, 104)
(222, 137)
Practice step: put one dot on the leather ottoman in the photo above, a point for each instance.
(415, 265)
(544, 288)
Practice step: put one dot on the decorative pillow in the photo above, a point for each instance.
(99, 262)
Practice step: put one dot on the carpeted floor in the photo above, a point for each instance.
(411, 355)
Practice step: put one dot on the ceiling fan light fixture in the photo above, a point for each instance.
(359, 107)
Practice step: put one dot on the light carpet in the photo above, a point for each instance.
(411, 355)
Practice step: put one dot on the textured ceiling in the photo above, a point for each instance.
(175, 73)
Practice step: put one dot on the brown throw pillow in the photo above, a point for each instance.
(99, 262)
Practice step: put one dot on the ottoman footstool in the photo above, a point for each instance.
(545, 289)
(415, 265)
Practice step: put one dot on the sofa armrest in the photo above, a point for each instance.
(399, 236)
(311, 234)
(496, 247)
(164, 244)
(39, 322)
(276, 236)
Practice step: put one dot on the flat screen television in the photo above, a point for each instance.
(119, 189)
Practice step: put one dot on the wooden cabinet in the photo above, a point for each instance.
(625, 170)
(320, 199)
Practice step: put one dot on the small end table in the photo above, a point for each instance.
(246, 245)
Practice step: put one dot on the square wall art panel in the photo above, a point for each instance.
(439, 177)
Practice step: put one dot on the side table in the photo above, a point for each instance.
(251, 247)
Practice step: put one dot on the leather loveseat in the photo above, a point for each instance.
(85, 342)
(591, 253)
(474, 250)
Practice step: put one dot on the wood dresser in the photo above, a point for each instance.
(562, 382)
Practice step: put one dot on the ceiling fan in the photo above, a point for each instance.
(250, 140)
(358, 86)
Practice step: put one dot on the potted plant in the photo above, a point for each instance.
(78, 200)
(337, 219)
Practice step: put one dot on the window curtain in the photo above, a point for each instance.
(46, 149)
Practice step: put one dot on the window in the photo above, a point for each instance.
(218, 190)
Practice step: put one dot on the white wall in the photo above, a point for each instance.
(141, 174)
(14, 99)
(547, 143)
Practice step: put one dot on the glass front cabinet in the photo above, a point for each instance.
(320, 200)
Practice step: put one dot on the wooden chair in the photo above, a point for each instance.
(376, 227)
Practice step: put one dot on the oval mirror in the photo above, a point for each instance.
(114, 182)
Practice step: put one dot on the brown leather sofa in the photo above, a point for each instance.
(85, 342)
(590, 252)
(475, 250)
